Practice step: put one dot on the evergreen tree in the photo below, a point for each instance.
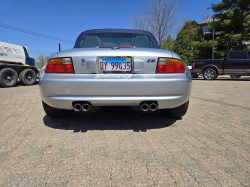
(168, 44)
(189, 42)
(232, 25)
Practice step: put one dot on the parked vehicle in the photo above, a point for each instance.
(15, 63)
(235, 64)
(194, 75)
(115, 67)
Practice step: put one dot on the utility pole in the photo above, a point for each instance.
(213, 40)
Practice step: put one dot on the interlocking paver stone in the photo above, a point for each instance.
(15, 180)
(209, 146)
(66, 154)
(35, 182)
(239, 174)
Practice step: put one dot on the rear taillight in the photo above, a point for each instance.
(60, 65)
(170, 65)
(193, 64)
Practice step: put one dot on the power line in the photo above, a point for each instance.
(18, 17)
(34, 33)
(41, 51)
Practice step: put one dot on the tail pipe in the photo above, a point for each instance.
(81, 106)
(145, 107)
(86, 107)
(77, 107)
(153, 107)
(148, 106)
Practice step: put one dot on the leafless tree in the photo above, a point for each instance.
(205, 16)
(138, 21)
(182, 23)
(41, 58)
(161, 17)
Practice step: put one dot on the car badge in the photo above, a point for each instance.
(83, 61)
(150, 60)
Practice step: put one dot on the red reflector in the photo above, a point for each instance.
(193, 64)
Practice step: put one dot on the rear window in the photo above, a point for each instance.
(116, 39)
(237, 55)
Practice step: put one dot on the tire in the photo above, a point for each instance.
(209, 74)
(194, 75)
(177, 112)
(8, 77)
(56, 113)
(235, 76)
(28, 77)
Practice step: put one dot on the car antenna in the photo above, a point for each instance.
(59, 47)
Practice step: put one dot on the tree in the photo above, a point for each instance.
(189, 41)
(41, 59)
(168, 44)
(205, 16)
(161, 18)
(232, 27)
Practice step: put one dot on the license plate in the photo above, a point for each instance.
(115, 64)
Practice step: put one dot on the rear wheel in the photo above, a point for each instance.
(28, 77)
(177, 112)
(235, 76)
(56, 113)
(8, 77)
(209, 74)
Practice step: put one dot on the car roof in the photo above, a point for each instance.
(132, 31)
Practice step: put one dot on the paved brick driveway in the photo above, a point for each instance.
(210, 146)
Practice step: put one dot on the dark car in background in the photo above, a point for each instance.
(235, 64)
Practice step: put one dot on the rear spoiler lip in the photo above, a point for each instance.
(117, 47)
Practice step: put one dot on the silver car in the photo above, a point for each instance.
(115, 67)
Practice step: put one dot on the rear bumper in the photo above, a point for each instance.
(169, 90)
(196, 71)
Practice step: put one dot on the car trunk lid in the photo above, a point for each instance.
(144, 60)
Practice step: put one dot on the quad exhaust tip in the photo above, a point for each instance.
(85, 107)
(153, 107)
(144, 107)
(77, 107)
(149, 106)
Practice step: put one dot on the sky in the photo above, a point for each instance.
(66, 19)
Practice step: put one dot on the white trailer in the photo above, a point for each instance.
(15, 63)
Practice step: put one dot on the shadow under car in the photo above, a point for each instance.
(111, 118)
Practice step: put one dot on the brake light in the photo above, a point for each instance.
(60, 65)
(193, 64)
(170, 65)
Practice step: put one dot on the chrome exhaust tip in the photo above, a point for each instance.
(86, 107)
(77, 107)
(153, 107)
(145, 107)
